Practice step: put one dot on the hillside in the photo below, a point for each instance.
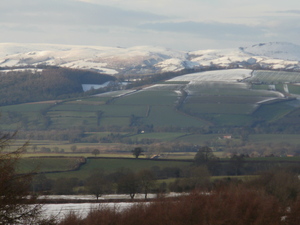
(48, 84)
(216, 99)
(141, 60)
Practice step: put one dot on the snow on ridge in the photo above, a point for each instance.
(278, 50)
(147, 59)
(110, 60)
(273, 55)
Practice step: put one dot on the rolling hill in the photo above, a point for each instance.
(221, 98)
(141, 60)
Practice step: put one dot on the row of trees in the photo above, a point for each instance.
(98, 183)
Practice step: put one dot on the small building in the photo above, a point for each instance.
(227, 137)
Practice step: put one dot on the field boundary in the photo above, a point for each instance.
(82, 161)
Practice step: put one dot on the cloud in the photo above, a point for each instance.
(19, 28)
(145, 22)
(206, 29)
(290, 11)
(71, 13)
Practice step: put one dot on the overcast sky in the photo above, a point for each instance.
(177, 24)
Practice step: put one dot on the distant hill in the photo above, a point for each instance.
(205, 102)
(141, 60)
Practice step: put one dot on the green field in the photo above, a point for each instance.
(26, 165)
(220, 108)
(163, 136)
(275, 138)
(272, 112)
(182, 107)
(148, 98)
(274, 76)
(232, 120)
(226, 89)
(294, 89)
(218, 103)
(224, 99)
(167, 116)
(113, 165)
(34, 107)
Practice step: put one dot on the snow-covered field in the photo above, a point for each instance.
(232, 75)
(59, 211)
(87, 87)
(82, 209)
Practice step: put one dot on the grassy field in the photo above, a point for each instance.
(33, 107)
(294, 89)
(167, 116)
(227, 104)
(208, 104)
(272, 112)
(27, 165)
(274, 76)
(226, 89)
(199, 139)
(148, 98)
(220, 108)
(163, 136)
(224, 99)
(113, 165)
(232, 120)
(275, 138)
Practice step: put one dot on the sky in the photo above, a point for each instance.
(187, 25)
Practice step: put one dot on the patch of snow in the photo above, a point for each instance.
(171, 65)
(278, 50)
(59, 211)
(9, 62)
(233, 75)
(22, 70)
(88, 87)
(115, 93)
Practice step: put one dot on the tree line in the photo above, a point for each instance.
(50, 84)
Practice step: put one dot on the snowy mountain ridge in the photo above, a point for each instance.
(147, 59)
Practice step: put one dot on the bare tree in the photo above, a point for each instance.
(15, 207)
(129, 184)
(146, 181)
(97, 184)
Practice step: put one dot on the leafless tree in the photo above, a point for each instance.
(146, 180)
(16, 204)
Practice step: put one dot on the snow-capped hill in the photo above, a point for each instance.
(147, 59)
(222, 58)
(274, 55)
(139, 59)
(276, 50)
